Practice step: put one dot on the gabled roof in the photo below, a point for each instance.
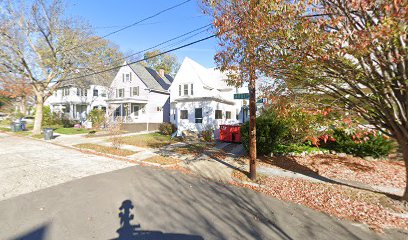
(150, 77)
(210, 77)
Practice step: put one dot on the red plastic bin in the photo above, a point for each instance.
(230, 133)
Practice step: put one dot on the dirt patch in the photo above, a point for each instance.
(162, 160)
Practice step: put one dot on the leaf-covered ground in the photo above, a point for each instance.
(374, 209)
(374, 173)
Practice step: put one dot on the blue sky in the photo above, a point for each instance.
(109, 15)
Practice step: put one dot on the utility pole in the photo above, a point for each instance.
(252, 105)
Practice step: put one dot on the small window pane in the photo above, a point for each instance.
(228, 115)
(191, 89)
(185, 89)
(218, 114)
(183, 114)
(95, 92)
(179, 90)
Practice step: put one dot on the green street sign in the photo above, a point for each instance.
(241, 96)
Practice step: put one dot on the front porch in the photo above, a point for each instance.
(131, 111)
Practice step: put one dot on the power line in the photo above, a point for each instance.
(170, 40)
(133, 24)
(141, 60)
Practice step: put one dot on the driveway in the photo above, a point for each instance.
(28, 165)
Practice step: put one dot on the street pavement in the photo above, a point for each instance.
(147, 203)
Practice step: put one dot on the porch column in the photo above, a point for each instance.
(71, 112)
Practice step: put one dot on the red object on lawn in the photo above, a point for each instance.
(230, 133)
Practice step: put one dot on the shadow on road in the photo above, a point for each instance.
(127, 231)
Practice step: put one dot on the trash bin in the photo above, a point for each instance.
(15, 127)
(230, 133)
(48, 133)
(23, 125)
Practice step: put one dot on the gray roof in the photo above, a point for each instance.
(150, 77)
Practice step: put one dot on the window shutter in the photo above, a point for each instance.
(116, 92)
(123, 77)
(137, 91)
(192, 89)
(130, 76)
(130, 92)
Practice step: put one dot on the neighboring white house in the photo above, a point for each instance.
(139, 95)
(200, 98)
(76, 102)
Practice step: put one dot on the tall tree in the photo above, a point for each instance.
(354, 51)
(37, 43)
(238, 53)
(168, 62)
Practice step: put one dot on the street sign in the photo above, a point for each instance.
(241, 96)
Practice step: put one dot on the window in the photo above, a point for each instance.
(85, 92)
(159, 109)
(228, 115)
(120, 92)
(127, 77)
(134, 91)
(218, 114)
(185, 89)
(198, 115)
(183, 114)
(95, 107)
(95, 92)
(103, 94)
(191, 89)
(65, 91)
(179, 90)
(78, 92)
(104, 109)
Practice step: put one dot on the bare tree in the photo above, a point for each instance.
(39, 44)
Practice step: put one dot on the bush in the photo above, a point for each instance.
(167, 128)
(207, 135)
(361, 142)
(269, 133)
(97, 117)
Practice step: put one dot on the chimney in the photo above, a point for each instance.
(161, 72)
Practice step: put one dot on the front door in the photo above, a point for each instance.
(135, 110)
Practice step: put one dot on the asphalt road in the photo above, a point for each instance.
(152, 203)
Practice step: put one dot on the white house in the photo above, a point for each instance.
(200, 98)
(140, 96)
(75, 102)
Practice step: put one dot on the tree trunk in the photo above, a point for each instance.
(39, 104)
(252, 126)
(404, 148)
(23, 105)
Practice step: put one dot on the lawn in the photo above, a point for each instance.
(151, 140)
(105, 149)
(71, 131)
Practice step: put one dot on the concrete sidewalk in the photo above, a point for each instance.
(166, 205)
